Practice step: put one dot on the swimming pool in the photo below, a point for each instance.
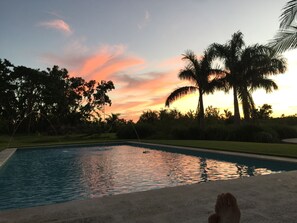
(34, 177)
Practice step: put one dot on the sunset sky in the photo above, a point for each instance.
(138, 45)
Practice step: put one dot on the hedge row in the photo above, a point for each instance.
(244, 132)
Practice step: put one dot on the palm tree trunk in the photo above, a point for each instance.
(246, 107)
(252, 105)
(201, 110)
(236, 106)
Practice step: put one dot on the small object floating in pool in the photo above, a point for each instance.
(145, 151)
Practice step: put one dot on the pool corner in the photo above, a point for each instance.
(6, 154)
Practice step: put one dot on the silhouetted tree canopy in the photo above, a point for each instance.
(34, 100)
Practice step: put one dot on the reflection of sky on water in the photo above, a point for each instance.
(37, 177)
(125, 169)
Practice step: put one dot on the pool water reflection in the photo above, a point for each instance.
(45, 176)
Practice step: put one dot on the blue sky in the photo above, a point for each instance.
(138, 44)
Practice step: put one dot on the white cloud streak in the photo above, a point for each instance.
(146, 19)
(57, 24)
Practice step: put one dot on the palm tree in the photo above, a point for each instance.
(247, 69)
(257, 63)
(286, 37)
(205, 80)
(230, 53)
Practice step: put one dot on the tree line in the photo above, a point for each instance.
(244, 68)
(231, 66)
(174, 125)
(48, 100)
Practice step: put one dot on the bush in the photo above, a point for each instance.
(180, 133)
(132, 131)
(285, 132)
(217, 133)
(265, 137)
(4, 126)
(193, 132)
(126, 132)
(245, 132)
(144, 130)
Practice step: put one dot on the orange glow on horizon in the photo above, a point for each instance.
(138, 91)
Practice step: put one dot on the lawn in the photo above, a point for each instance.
(45, 140)
(273, 149)
(283, 149)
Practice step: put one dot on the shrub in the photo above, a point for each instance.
(285, 132)
(144, 130)
(192, 132)
(245, 132)
(4, 126)
(217, 133)
(264, 137)
(180, 133)
(126, 132)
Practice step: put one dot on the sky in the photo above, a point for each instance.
(138, 44)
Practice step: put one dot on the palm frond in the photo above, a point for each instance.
(216, 84)
(217, 50)
(268, 84)
(236, 44)
(260, 60)
(180, 92)
(188, 74)
(285, 39)
(190, 56)
(289, 13)
(279, 65)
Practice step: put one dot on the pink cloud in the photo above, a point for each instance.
(172, 63)
(57, 24)
(139, 94)
(137, 88)
(106, 63)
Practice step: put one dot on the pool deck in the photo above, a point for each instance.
(271, 198)
(292, 140)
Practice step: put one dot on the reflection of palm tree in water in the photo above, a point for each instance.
(203, 169)
(243, 170)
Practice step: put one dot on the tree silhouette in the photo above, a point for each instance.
(258, 62)
(230, 54)
(205, 80)
(30, 98)
(248, 68)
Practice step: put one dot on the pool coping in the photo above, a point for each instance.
(214, 151)
(195, 149)
(5, 155)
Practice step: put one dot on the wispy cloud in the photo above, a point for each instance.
(139, 85)
(107, 62)
(145, 20)
(55, 14)
(57, 24)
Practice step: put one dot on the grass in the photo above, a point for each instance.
(272, 149)
(284, 150)
(45, 140)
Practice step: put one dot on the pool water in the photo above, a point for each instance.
(36, 177)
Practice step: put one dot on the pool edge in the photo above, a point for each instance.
(248, 155)
(5, 155)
